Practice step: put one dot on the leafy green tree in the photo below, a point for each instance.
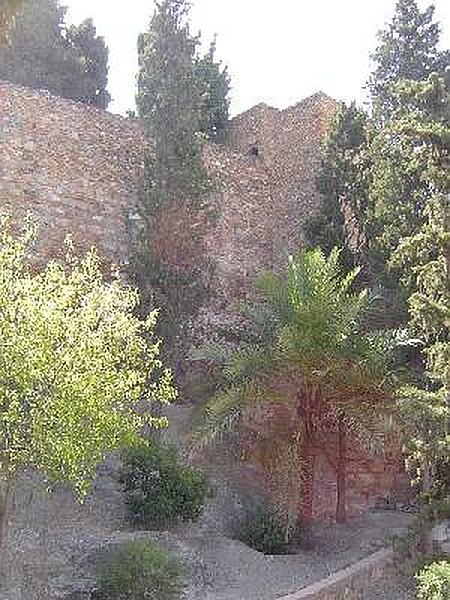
(341, 186)
(214, 83)
(74, 361)
(408, 49)
(305, 345)
(423, 259)
(44, 54)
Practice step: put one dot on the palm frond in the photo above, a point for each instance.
(249, 360)
(221, 415)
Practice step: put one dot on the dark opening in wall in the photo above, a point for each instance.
(254, 151)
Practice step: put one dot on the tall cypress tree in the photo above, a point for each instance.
(408, 49)
(181, 100)
(341, 186)
(423, 259)
(398, 191)
(168, 101)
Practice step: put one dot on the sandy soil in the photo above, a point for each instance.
(52, 540)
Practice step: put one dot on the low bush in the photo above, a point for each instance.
(160, 490)
(264, 530)
(140, 571)
(434, 581)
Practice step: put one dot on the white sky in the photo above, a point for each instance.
(277, 52)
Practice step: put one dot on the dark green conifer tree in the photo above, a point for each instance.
(423, 261)
(341, 186)
(214, 84)
(408, 49)
(90, 64)
(182, 100)
(42, 53)
(168, 101)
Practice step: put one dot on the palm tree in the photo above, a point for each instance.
(304, 346)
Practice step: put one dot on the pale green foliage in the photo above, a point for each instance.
(310, 311)
(434, 581)
(310, 321)
(74, 361)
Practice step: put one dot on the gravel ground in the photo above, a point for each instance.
(52, 540)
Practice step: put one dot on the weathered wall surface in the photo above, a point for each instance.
(350, 583)
(75, 168)
(79, 171)
(266, 440)
(267, 173)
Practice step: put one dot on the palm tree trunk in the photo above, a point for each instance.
(308, 486)
(341, 512)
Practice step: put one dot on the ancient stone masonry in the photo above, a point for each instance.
(269, 181)
(79, 170)
(76, 168)
(265, 174)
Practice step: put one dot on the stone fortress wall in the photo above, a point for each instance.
(76, 168)
(79, 170)
(267, 171)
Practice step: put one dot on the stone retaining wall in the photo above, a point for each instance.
(348, 583)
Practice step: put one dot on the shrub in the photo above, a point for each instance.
(265, 531)
(434, 581)
(140, 571)
(159, 489)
